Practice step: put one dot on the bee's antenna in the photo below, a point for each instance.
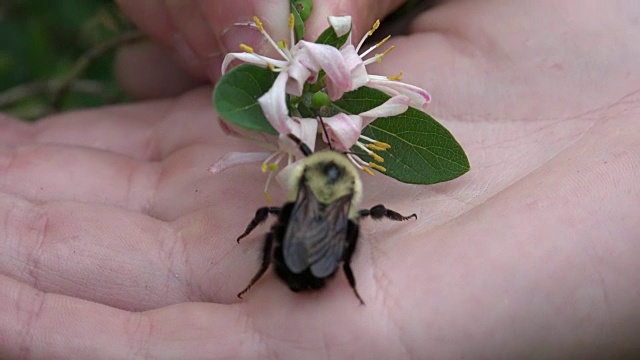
(325, 133)
(304, 149)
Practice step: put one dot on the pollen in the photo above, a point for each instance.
(375, 27)
(246, 48)
(282, 44)
(258, 23)
(380, 56)
(383, 41)
(268, 197)
(377, 167)
(273, 167)
(368, 171)
(375, 147)
(382, 144)
(271, 67)
(376, 157)
(292, 21)
(264, 168)
(395, 77)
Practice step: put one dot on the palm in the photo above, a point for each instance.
(143, 225)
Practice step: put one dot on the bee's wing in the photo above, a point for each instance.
(316, 238)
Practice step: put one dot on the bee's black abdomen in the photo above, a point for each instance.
(296, 282)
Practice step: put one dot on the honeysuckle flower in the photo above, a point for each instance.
(344, 70)
(301, 62)
(343, 132)
(356, 63)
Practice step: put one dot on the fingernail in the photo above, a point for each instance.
(241, 33)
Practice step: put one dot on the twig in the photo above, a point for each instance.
(85, 60)
(57, 88)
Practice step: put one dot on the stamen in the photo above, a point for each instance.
(258, 23)
(375, 147)
(282, 44)
(273, 167)
(375, 27)
(383, 41)
(382, 144)
(376, 157)
(387, 51)
(368, 171)
(266, 195)
(269, 39)
(292, 35)
(292, 21)
(369, 33)
(395, 77)
(377, 167)
(247, 48)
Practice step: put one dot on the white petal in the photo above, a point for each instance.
(340, 24)
(251, 59)
(392, 107)
(237, 158)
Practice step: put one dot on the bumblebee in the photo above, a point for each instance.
(317, 228)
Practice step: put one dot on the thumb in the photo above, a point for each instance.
(363, 12)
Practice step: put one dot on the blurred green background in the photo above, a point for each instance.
(40, 43)
(43, 42)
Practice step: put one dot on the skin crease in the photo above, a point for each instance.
(116, 242)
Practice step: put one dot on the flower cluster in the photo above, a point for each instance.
(342, 70)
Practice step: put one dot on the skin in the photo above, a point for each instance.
(116, 241)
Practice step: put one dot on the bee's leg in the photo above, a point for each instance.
(266, 261)
(261, 216)
(352, 240)
(379, 211)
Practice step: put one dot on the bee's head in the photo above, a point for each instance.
(329, 175)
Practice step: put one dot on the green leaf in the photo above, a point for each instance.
(236, 97)
(298, 23)
(422, 151)
(329, 37)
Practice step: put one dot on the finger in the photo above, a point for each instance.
(202, 40)
(126, 259)
(154, 19)
(147, 130)
(120, 258)
(144, 71)
(13, 131)
(363, 12)
(51, 326)
(52, 172)
(230, 22)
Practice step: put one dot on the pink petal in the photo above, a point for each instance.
(357, 74)
(420, 98)
(319, 56)
(343, 130)
(304, 129)
(274, 105)
(237, 158)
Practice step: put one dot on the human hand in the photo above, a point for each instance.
(531, 253)
(198, 34)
